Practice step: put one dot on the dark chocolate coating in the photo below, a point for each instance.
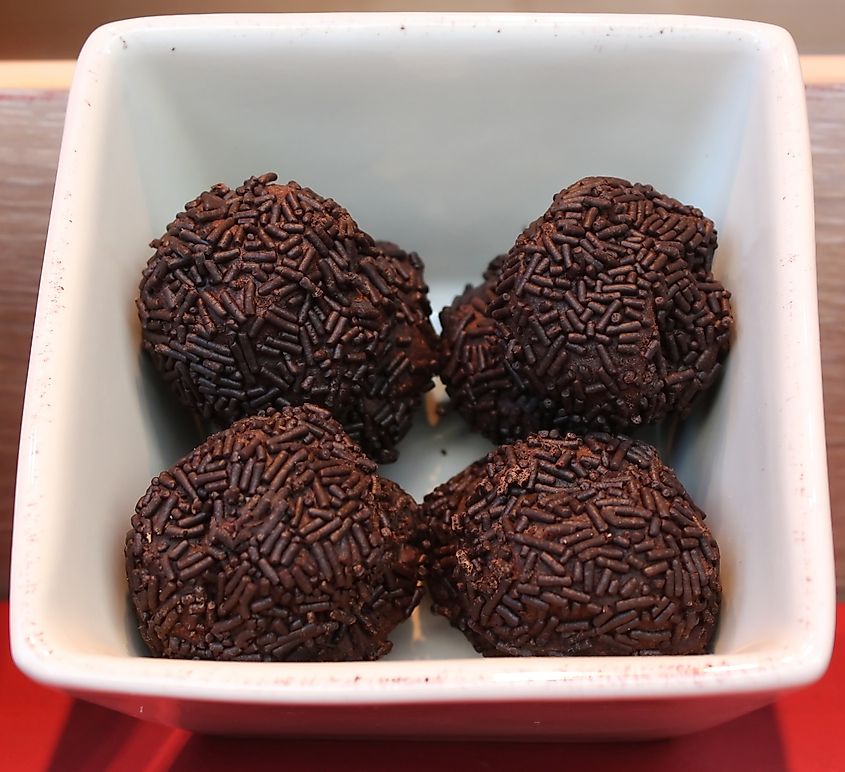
(478, 379)
(573, 546)
(605, 314)
(271, 295)
(275, 539)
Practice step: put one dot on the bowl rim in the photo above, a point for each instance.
(664, 677)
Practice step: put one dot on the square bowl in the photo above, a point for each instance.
(447, 134)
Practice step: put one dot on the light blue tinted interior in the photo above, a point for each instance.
(448, 144)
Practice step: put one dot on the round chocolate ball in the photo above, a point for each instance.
(270, 295)
(568, 545)
(275, 539)
(607, 304)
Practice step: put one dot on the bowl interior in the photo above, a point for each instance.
(448, 140)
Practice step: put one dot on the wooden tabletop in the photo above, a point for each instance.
(30, 131)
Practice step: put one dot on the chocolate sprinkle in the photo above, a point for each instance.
(273, 540)
(604, 315)
(270, 295)
(482, 384)
(589, 561)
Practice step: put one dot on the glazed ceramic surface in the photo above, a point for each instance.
(446, 134)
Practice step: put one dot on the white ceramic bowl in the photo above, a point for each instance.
(446, 133)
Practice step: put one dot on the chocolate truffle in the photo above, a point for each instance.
(271, 295)
(605, 314)
(275, 539)
(573, 546)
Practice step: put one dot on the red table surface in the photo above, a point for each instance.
(45, 729)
